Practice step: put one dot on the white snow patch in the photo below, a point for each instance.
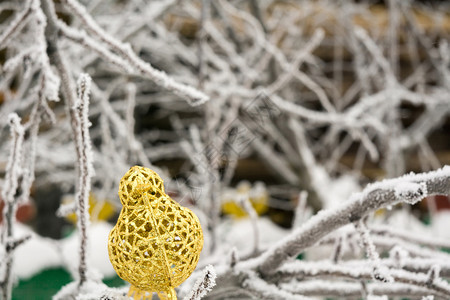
(34, 255)
(402, 219)
(440, 224)
(239, 233)
(98, 258)
(339, 190)
(375, 297)
(38, 253)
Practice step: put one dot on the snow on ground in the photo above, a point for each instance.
(98, 258)
(441, 223)
(239, 233)
(338, 190)
(404, 220)
(40, 253)
(34, 255)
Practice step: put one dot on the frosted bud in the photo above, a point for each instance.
(411, 192)
(433, 274)
(398, 254)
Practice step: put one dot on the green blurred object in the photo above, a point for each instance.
(47, 283)
(43, 285)
(115, 281)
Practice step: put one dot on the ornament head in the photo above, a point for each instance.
(137, 181)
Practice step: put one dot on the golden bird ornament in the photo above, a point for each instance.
(156, 243)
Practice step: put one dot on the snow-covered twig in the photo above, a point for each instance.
(433, 276)
(234, 257)
(204, 16)
(264, 290)
(203, 285)
(32, 126)
(88, 42)
(329, 103)
(245, 203)
(300, 209)
(56, 58)
(388, 238)
(350, 290)
(337, 253)
(13, 168)
(194, 96)
(433, 242)
(375, 196)
(380, 272)
(18, 23)
(328, 269)
(86, 170)
(10, 185)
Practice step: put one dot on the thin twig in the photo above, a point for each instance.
(18, 23)
(408, 188)
(203, 285)
(86, 171)
(11, 183)
(194, 96)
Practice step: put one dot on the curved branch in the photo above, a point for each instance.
(18, 23)
(409, 188)
(264, 290)
(194, 96)
(314, 288)
(328, 269)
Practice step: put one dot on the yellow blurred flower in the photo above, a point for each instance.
(257, 194)
(98, 210)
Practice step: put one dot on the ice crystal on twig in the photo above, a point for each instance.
(203, 285)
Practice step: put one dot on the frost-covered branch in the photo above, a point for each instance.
(302, 89)
(303, 270)
(56, 58)
(433, 242)
(18, 23)
(14, 168)
(86, 170)
(203, 285)
(10, 185)
(337, 253)
(379, 271)
(300, 210)
(409, 188)
(40, 109)
(264, 290)
(194, 96)
(350, 290)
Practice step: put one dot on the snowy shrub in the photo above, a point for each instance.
(91, 88)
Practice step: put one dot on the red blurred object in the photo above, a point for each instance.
(441, 202)
(24, 214)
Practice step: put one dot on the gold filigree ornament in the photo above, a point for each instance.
(156, 243)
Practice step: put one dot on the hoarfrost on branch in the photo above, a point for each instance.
(298, 87)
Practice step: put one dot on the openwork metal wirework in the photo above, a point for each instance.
(156, 243)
